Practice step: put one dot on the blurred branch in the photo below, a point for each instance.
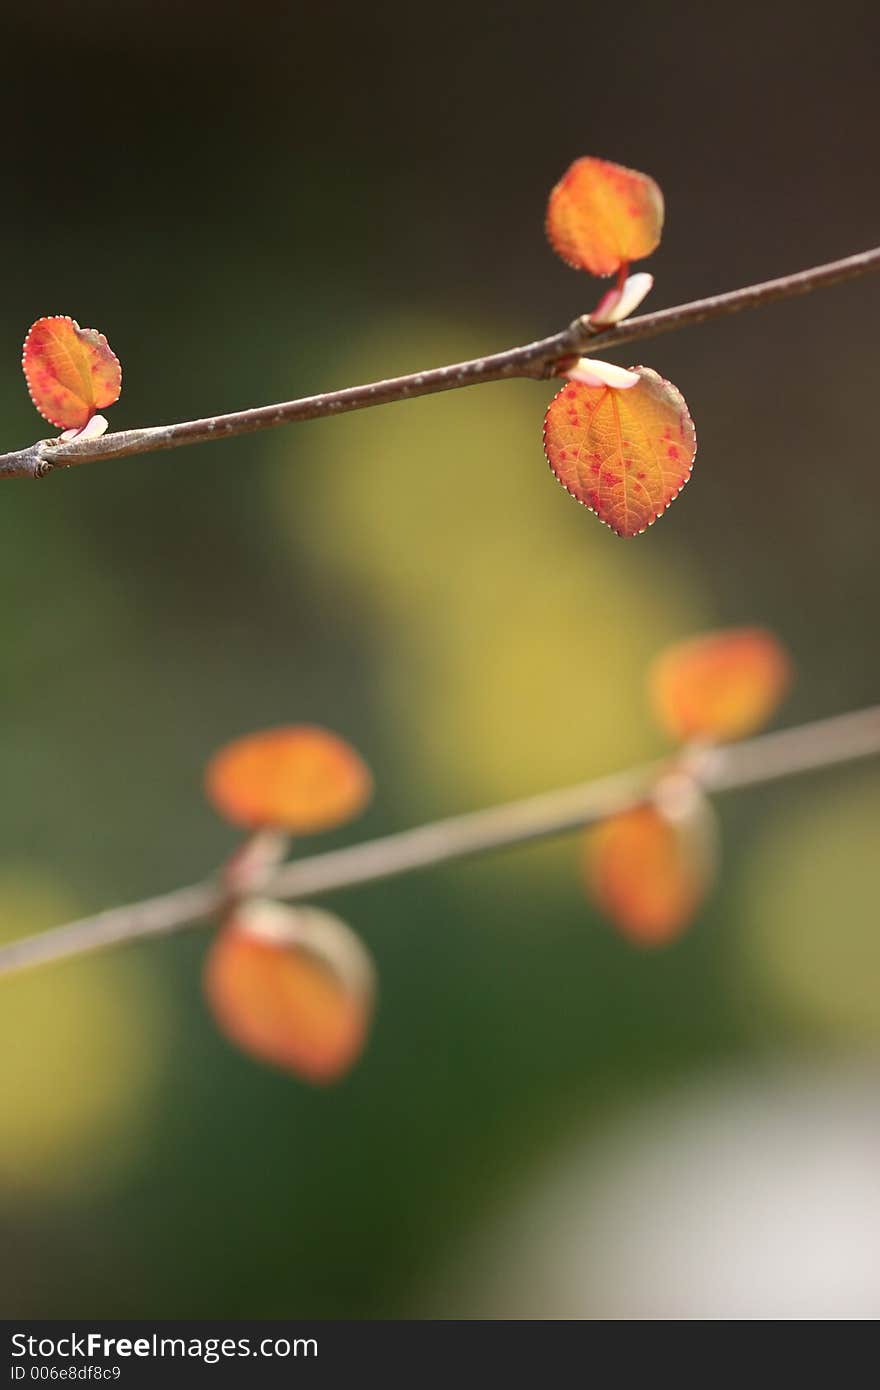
(536, 360)
(750, 763)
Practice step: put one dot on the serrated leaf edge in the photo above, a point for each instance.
(586, 505)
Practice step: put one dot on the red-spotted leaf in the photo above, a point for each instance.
(601, 216)
(299, 778)
(71, 372)
(292, 986)
(650, 868)
(624, 454)
(720, 685)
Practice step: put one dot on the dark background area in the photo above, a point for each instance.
(258, 201)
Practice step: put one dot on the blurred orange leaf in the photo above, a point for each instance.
(601, 216)
(299, 778)
(649, 869)
(71, 372)
(292, 986)
(624, 454)
(721, 685)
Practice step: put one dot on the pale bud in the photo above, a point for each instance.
(590, 372)
(92, 430)
(621, 301)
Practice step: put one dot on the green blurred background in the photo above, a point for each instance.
(259, 201)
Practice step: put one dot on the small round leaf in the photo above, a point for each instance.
(623, 454)
(292, 986)
(720, 685)
(299, 778)
(71, 372)
(601, 216)
(650, 868)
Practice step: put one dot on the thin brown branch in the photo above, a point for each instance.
(536, 360)
(750, 763)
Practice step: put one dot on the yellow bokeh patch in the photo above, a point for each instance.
(78, 1054)
(809, 923)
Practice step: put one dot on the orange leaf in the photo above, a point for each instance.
(601, 216)
(649, 869)
(291, 986)
(299, 778)
(70, 371)
(722, 685)
(624, 454)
